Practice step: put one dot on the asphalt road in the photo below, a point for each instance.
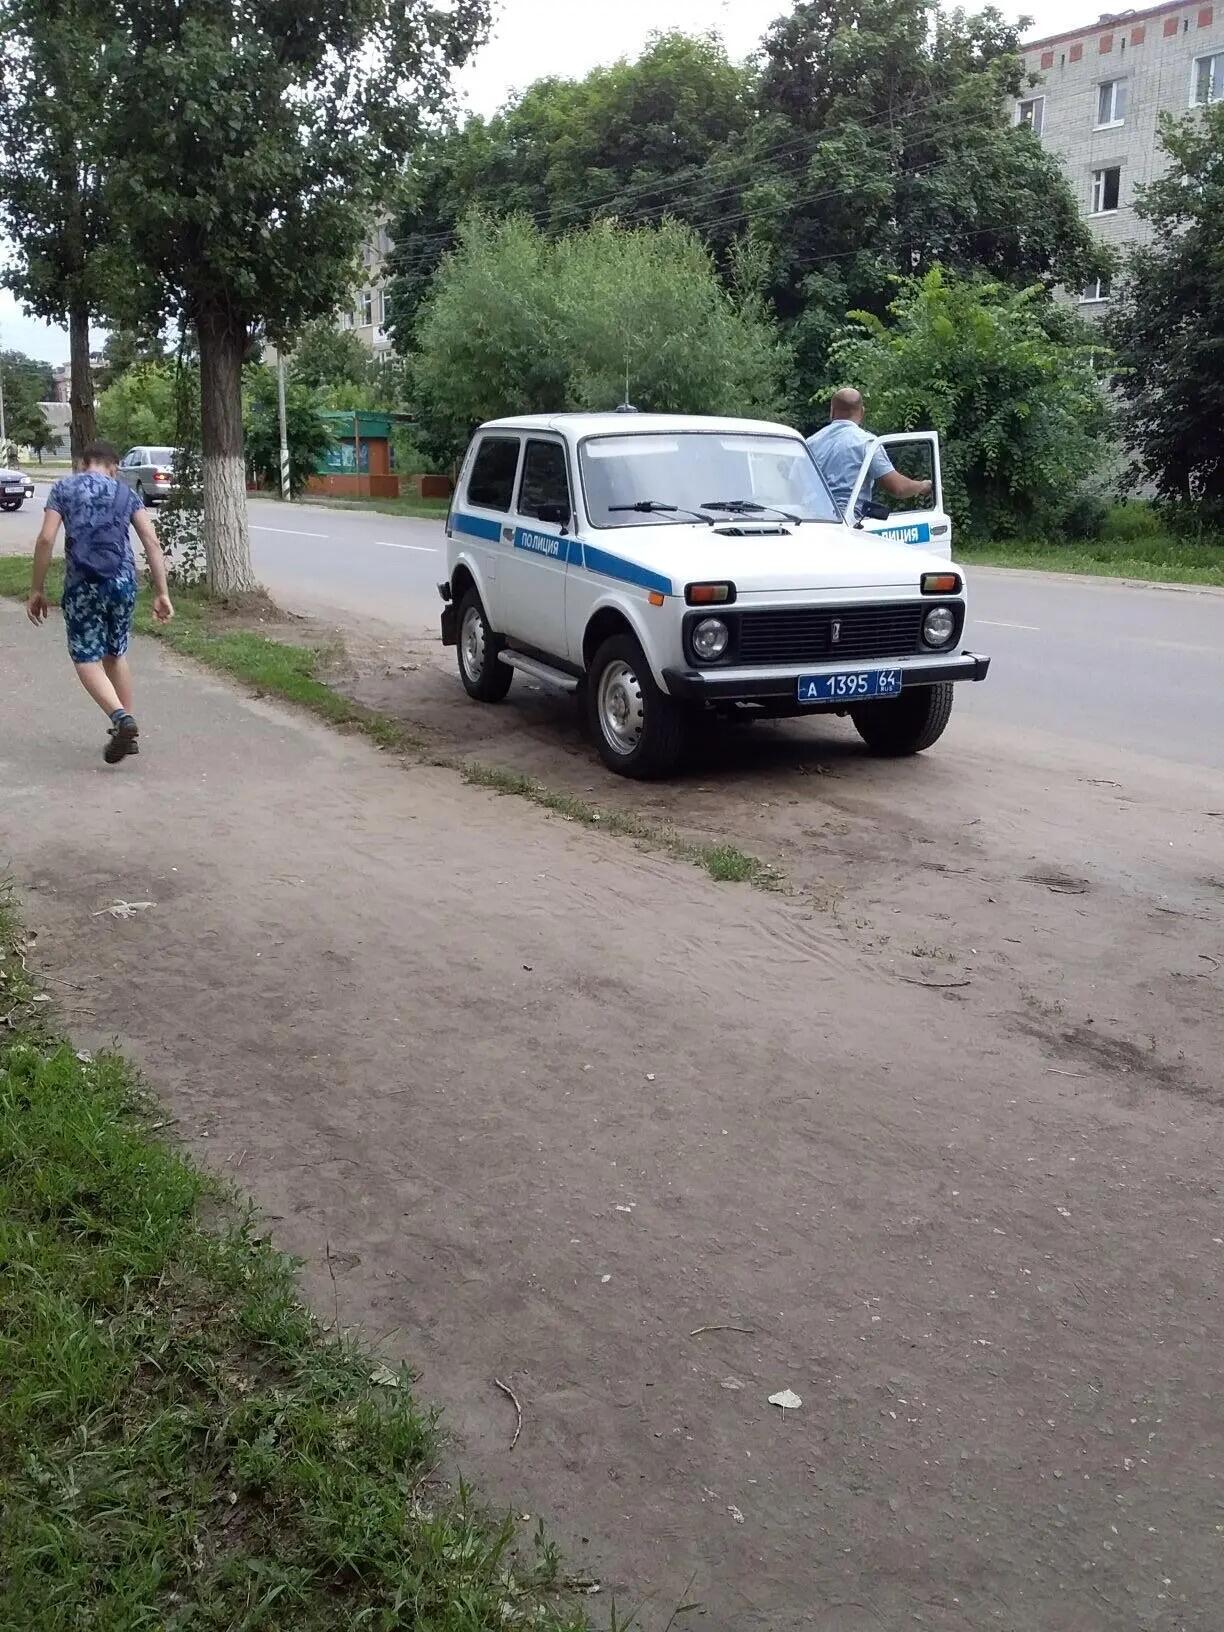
(1109, 664)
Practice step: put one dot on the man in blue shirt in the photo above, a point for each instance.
(839, 449)
(100, 583)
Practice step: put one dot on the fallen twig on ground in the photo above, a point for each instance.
(749, 1331)
(518, 1410)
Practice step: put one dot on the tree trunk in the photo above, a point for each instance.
(83, 427)
(227, 544)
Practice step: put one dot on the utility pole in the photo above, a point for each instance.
(3, 433)
(284, 424)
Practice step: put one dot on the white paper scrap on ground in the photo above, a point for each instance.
(787, 1399)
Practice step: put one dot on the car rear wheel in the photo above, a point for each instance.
(906, 724)
(485, 677)
(638, 729)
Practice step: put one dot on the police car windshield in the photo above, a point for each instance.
(768, 474)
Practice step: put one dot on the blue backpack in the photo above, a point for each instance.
(100, 549)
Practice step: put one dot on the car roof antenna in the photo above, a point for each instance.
(626, 407)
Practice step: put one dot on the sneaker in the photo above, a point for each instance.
(124, 740)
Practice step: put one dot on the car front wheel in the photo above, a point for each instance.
(485, 677)
(638, 729)
(906, 724)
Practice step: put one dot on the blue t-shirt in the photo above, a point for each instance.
(83, 501)
(838, 449)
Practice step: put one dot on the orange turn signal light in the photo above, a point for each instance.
(710, 594)
(941, 583)
(655, 598)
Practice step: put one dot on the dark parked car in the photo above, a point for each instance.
(149, 471)
(15, 488)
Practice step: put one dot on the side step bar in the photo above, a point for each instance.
(536, 670)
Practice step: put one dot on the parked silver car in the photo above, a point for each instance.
(15, 488)
(149, 471)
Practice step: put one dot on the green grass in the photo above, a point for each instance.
(1133, 545)
(275, 668)
(182, 1444)
(427, 509)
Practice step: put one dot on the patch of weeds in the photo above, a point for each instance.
(181, 1443)
(727, 865)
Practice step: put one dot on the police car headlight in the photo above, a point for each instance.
(710, 639)
(939, 626)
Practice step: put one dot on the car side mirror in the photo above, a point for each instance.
(556, 514)
(873, 510)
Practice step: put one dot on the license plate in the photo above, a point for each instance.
(849, 685)
(18, 489)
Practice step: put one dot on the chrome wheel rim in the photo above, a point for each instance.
(622, 713)
(472, 643)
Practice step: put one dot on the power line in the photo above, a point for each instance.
(817, 140)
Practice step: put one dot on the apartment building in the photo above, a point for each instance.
(1098, 93)
(367, 315)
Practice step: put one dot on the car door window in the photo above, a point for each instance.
(491, 484)
(916, 460)
(545, 479)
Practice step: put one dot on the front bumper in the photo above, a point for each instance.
(780, 685)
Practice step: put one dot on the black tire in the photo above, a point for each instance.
(140, 492)
(620, 679)
(907, 724)
(485, 677)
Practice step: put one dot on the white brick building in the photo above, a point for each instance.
(367, 315)
(1100, 89)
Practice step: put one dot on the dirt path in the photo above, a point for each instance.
(550, 1105)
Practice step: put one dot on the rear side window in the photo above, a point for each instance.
(491, 484)
(545, 480)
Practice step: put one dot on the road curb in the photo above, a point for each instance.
(1099, 580)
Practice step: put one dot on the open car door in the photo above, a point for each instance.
(921, 522)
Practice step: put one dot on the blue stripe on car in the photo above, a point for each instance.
(571, 550)
(614, 566)
(476, 527)
(917, 532)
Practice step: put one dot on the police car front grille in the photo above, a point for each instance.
(825, 635)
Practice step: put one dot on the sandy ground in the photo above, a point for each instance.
(550, 1105)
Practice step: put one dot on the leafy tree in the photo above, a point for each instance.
(309, 435)
(53, 195)
(1007, 379)
(125, 348)
(886, 147)
(518, 322)
(1168, 326)
(27, 382)
(632, 141)
(253, 141)
(325, 355)
(140, 407)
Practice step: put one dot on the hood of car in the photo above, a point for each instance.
(769, 558)
(13, 476)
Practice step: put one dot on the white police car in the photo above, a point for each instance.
(669, 564)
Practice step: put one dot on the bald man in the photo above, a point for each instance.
(839, 449)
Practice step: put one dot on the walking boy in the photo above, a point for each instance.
(96, 510)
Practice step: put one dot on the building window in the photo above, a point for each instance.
(1111, 102)
(346, 320)
(365, 309)
(1105, 188)
(1095, 292)
(1032, 114)
(1208, 80)
(380, 308)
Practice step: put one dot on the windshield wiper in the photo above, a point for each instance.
(748, 507)
(656, 507)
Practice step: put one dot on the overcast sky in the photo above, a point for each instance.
(534, 38)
